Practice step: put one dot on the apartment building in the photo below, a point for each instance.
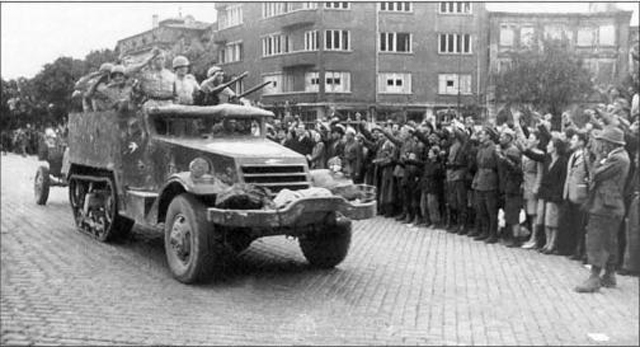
(384, 58)
(601, 37)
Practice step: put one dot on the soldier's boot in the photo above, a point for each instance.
(417, 220)
(409, 218)
(509, 237)
(609, 278)
(402, 216)
(592, 284)
(462, 222)
(493, 237)
(482, 236)
(452, 227)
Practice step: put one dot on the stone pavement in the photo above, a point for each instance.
(399, 285)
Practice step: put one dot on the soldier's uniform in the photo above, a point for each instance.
(185, 89)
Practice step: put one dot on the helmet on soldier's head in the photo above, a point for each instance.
(106, 67)
(180, 61)
(212, 70)
(117, 69)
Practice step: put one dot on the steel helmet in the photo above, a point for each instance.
(106, 67)
(212, 70)
(180, 61)
(117, 69)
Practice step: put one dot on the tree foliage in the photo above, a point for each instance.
(547, 78)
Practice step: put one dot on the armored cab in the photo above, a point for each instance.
(169, 166)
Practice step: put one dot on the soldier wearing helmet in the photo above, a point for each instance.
(186, 86)
(116, 93)
(85, 83)
(215, 77)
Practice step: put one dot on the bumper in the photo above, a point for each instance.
(300, 212)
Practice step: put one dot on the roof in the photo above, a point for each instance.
(561, 14)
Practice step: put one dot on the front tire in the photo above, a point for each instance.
(190, 244)
(329, 247)
(41, 185)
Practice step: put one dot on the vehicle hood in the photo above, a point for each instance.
(241, 148)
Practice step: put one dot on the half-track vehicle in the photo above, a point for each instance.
(166, 167)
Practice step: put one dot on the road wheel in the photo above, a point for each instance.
(41, 185)
(189, 240)
(329, 247)
(101, 219)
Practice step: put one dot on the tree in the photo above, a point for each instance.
(547, 77)
(95, 58)
(54, 85)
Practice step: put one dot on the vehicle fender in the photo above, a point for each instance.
(182, 182)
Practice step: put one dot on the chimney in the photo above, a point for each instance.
(154, 21)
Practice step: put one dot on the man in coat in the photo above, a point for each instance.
(608, 174)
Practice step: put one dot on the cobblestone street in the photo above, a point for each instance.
(398, 285)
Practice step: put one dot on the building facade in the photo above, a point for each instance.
(600, 37)
(175, 35)
(386, 58)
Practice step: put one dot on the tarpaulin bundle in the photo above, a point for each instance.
(245, 197)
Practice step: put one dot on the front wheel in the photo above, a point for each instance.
(189, 240)
(329, 247)
(41, 185)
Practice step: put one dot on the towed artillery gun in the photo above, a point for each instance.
(51, 147)
(167, 167)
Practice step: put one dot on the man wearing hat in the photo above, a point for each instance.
(485, 183)
(606, 209)
(455, 182)
(215, 77)
(156, 82)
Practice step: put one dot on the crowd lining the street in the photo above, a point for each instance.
(571, 191)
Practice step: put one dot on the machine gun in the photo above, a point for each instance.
(222, 86)
(253, 89)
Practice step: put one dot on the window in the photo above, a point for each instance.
(270, 9)
(586, 37)
(394, 83)
(337, 5)
(311, 40)
(403, 6)
(311, 82)
(455, 43)
(231, 16)
(275, 44)
(607, 35)
(230, 53)
(450, 84)
(337, 40)
(506, 35)
(337, 82)
(395, 42)
(526, 36)
(454, 7)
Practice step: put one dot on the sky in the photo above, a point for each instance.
(34, 34)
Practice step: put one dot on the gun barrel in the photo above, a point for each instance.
(253, 89)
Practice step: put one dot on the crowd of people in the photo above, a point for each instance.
(570, 191)
(25, 140)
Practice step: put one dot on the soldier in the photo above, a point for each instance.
(84, 84)
(215, 77)
(352, 156)
(186, 86)
(155, 82)
(116, 93)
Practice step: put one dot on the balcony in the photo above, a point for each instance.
(295, 59)
(297, 19)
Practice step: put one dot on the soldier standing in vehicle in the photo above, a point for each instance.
(156, 83)
(215, 77)
(186, 86)
(114, 94)
(83, 85)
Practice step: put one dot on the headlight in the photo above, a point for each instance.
(199, 167)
